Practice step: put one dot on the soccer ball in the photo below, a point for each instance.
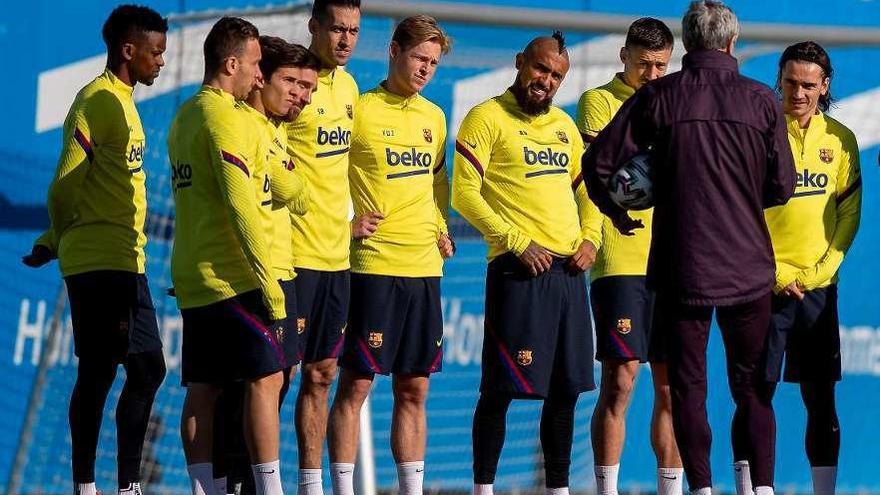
(631, 186)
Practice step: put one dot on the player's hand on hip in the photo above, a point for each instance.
(536, 259)
(794, 291)
(366, 225)
(625, 224)
(446, 246)
(273, 298)
(583, 258)
(40, 255)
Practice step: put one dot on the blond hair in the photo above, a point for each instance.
(418, 29)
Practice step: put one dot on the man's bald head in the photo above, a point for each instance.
(541, 67)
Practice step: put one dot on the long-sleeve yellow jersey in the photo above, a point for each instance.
(320, 139)
(516, 177)
(220, 181)
(617, 254)
(282, 192)
(398, 168)
(812, 232)
(97, 200)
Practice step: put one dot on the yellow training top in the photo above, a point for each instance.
(97, 201)
(517, 177)
(398, 169)
(222, 241)
(282, 193)
(812, 232)
(617, 254)
(320, 139)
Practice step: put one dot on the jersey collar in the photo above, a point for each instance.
(508, 101)
(117, 83)
(817, 126)
(620, 87)
(219, 92)
(393, 99)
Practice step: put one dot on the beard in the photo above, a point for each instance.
(527, 103)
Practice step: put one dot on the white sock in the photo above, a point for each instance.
(342, 478)
(86, 489)
(410, 476)
(742, 477)
(201, 477)
(220, 486)
(670, 481)
(557, 491)
(267, 478)
(763, 490)
(824, 480)
(310, 482)
(483, 489)
(706, 490)
(606, 479)
(132, 489)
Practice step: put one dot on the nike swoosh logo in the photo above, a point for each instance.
(737, 469)
(439, 342)
(668, 477)
(344, 472)
(420, 470)
(271, 471)
(472, 145)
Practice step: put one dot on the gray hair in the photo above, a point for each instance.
(708, 25)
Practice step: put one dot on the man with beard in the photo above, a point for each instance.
(516, 180)
(97, 207)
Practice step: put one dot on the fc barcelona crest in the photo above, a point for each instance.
(427, 134)
(349, 111)
(524, 357)
(279, 334)
(562, 137)
(826, 155)
(300, 325)
(624, 325)
(375, 340)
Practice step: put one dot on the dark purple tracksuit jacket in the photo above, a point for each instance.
(720, 155)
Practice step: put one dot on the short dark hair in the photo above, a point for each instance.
(809, 51)
(227, 38)
(277, 53)
(321, 8)
(649, 33)
(126, 20)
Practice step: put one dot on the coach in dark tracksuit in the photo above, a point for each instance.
(720, 156)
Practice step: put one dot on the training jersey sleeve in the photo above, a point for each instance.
(237, 191)
(288, 187)
(594, 111)
(441, 184)
(473, 151)
(849, 209)
(82, 127)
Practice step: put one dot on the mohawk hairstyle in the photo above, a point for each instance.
(560, 38)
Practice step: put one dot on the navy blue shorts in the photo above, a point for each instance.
(623, 309)
(322, 312)
(233, 339)
(806, 336)
(538, 339)
(395, 325)
(112, 312)
(287, 328)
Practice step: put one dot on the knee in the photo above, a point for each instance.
(618, 383)
(318, 377)
(146, 370)
(411, 391)
(352, 391)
